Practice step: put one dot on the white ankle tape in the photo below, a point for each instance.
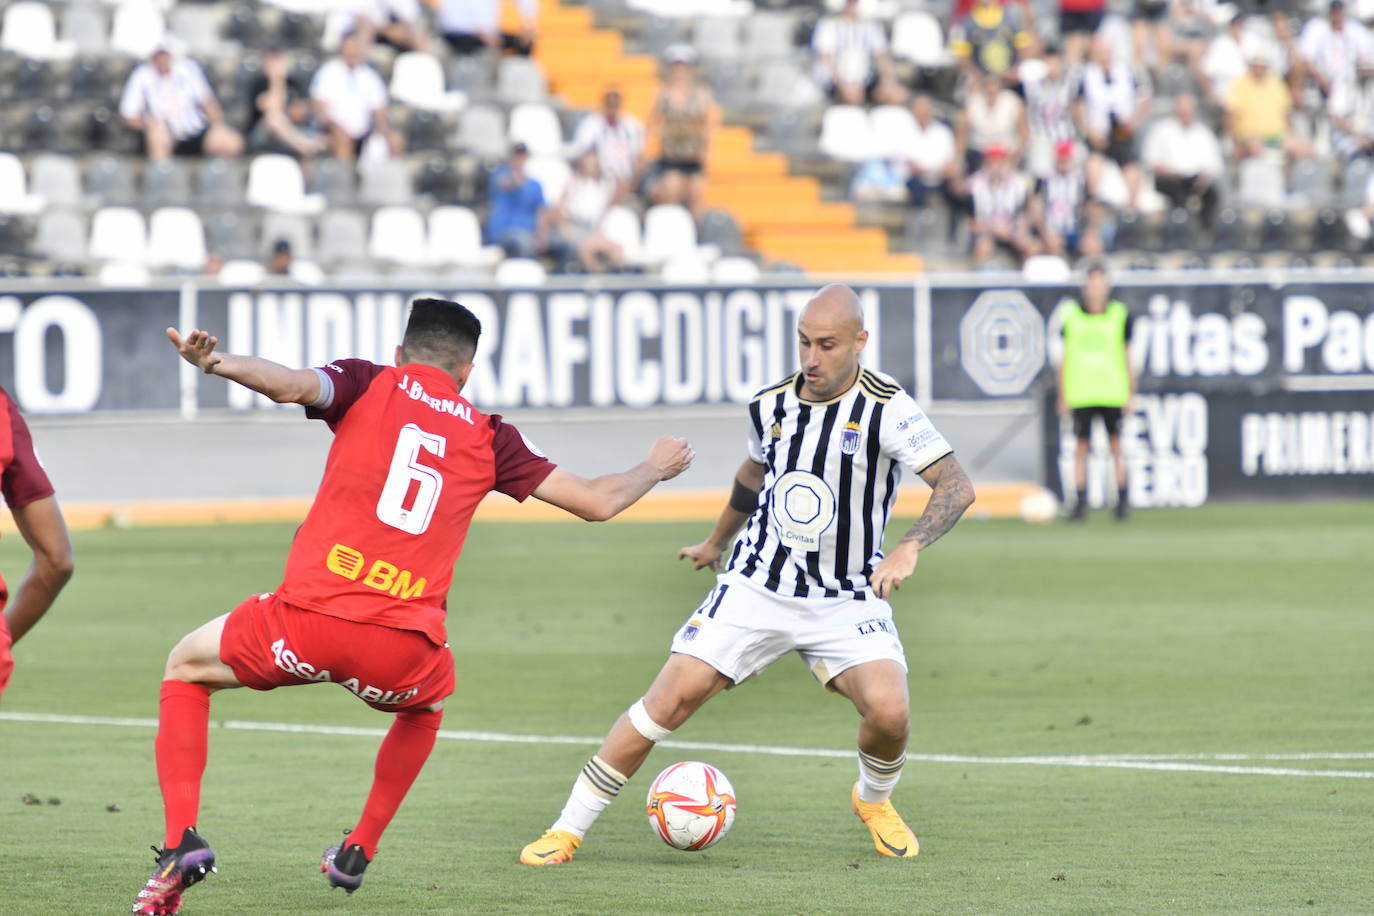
(639, 718)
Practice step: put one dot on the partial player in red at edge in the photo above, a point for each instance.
(362, 603)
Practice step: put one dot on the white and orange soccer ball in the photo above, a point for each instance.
(691, 805)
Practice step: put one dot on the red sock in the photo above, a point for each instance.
(182, 735)
(403, 753)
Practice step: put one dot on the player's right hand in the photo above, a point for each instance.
(705, 555)
(198, 349)
(671, 456)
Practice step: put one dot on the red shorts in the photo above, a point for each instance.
(6, 660)
(269, 643)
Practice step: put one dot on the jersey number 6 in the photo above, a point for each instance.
(405, 470)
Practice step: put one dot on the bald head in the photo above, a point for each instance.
(830, 336)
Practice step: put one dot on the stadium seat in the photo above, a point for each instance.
(471, 74)
(385, 183)
(894, 131)
(61, 236)
(293, 227)
(110, 181)
(782, 83)
(621, 225)
(717, 39)
(1046, 268)
(34, 80)
(553, 174)
(685, 268)
(219, 183)
(84, 25)
(719, 228)
(846, 134)
(343, 238)
(130, 274)
(136, 28)
(767, 36)
(668, 230)
(482, 132)
(29, 30)
(1260, 183)
(118, 234)
(176, 239)
(536, 125)
(398, 237)
(241, 272)
(307, 273)
(455, 238)
(437, 180)
(1355, 183)
(519, 80)
(276, 183)
(417, 80)
(1312, 182)
(735, 271)
(14, 192)
(335, 181)
(57, 178)
(916, 37)
(166, 183)
(40, 128)
(520, 272)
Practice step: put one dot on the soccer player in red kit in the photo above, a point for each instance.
(362, 601)
(30, 497)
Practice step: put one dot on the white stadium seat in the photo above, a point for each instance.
(276, 183)
(894, 131)
(846, 134)
(30, 31)
(398, 237)
(687, 268)
(14, 192)
(241, 273)
(521, 272)
(916, 37)
(553, 174)
(136, 28)
(57, 178)
(536, 125)
(668, 230)
(621, 225)
(740, 271)
(176, 239)
(417, 80)
(118, 234)
(123, 273)
(455, 238)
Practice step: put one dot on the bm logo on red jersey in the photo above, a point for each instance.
(381, 575)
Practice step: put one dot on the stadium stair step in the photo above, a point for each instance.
(780, 214)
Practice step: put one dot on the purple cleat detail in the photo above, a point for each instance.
(177, 869)
(345, 866)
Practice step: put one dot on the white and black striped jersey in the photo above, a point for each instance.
(830, 479)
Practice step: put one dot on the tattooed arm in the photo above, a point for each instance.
(951, 493)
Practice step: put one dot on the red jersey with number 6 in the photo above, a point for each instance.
(410, 462)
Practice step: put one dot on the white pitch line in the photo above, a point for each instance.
(1177, 763)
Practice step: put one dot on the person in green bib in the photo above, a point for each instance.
(1096, 379)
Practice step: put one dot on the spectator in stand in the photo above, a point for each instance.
(1066, 218)
(682, 121)
(852, 62)
(1191, 25)
(519, 217)
(169, 101)
(1185, 158)
(470, 26)
(616, 137)
(281, 119)
(1150, 22)
(1079, 21)
(279, 260)
(990, 37)
(394, 22)
(1332, 51)
(1001, 220)
(992, 116)
(350, 101)
(1049, 89)
(1112, 104)
(1351, 110)
(1223, 61)
(577, 218)
(933, 160)
(1259, 110)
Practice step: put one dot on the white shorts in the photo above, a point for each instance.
(740, 629)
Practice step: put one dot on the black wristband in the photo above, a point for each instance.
(743, 499)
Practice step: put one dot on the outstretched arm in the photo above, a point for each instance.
(744, 499)
(283, 385)
(606, 497)
(41, 525)
(951, 493)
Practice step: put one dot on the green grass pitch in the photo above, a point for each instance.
(1233, 629)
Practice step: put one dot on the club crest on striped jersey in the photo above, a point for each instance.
(849, 438)
(690, 631)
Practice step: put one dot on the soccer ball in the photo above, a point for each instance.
(1039, 507)
(691, 805)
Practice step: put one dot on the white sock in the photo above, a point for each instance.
(596, 787)
(877, 778)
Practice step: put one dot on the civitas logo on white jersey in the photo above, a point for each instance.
(288, 661)
(416, 392)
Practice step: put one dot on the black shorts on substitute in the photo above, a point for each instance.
(1083, 420)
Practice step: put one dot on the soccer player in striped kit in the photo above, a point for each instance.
(800, 544)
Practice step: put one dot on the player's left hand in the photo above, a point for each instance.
(198, 349)
(894, 569)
